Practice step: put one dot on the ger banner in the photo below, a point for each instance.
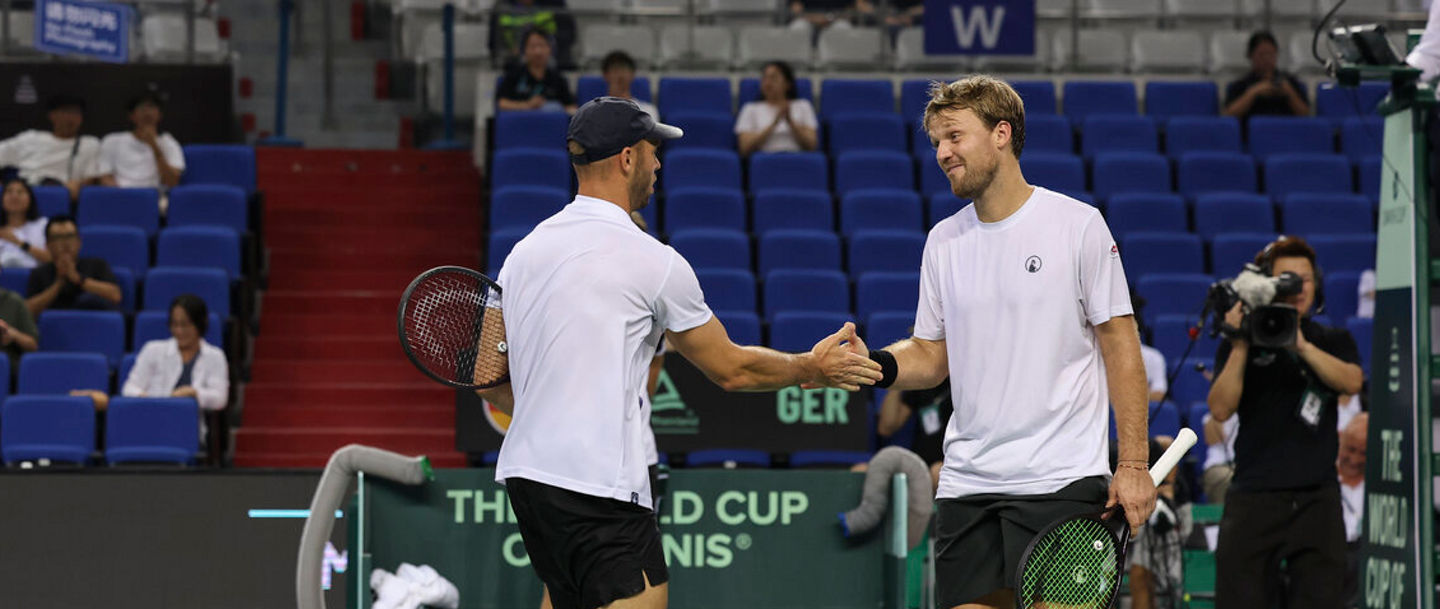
(733, 539)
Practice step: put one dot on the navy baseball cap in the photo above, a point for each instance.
(606, 125)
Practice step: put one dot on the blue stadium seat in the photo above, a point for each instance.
(1165, 98)
(199, 246)
(523, 207)
(1362, 136)
(155, 325)
(499, 246)
(152, 430)
(589, 87)
(695, 95)
(1367, 178)
(798, 249)
(1122, 172)
(1233, 212)
(1202, 172)
(1290, 134)
(1202, 134)
(885, 250)
(1047, 133)
(1352, 252)
(876, 292)
(942, 205)
(163, 284)
(806, 290)
(1038, 96)
(798, 331)
(914, 96)
(1058, 172)
(208, 205)
(1118, 133)
(59, 428)
(15, 279)
(1363, 329)
(125, 278)
(530, 167)
(1154, 252)
(866, 132)
(1190, 384)
(1230, 252)
(1342, 293)
(52, 200)
(844, 96)
(742, 326)
(138, 207)
(702, 130)
(124, 247)
(750, 90)
(103, 332)
(1339, 103)
(220, 164)
(1196, 414)
(1083, 197)
(782, 208)
(828, 458)
(932, 178)
(886, 327)
(701, 167)
(1165, 420)
(703, 207)
(881, 208)
(1291, 173)
(544, 130)
(1172, 294)
(1171, 334)
(1320, 213)
(1083, 98)
(1145, 211)
(45, 373)
(710, 248)
(728, 289)
(802, 170)
(729, 458)
(873, 169)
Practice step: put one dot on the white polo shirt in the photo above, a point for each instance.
(587, 297)
(1016, 302)
(39, 155)
(133, 163)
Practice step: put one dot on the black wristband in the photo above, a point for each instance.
(888, 368)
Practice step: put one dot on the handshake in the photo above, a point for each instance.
(842, 360)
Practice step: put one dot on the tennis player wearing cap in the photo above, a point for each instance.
(1024, 305)
(587, 298)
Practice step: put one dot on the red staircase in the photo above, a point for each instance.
(347, 231)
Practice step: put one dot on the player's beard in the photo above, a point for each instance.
(640, 185)
(975, 180)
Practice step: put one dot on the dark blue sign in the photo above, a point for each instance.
(99, 30)
(979, 27)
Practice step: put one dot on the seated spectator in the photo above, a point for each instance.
(815, 15)
(534, 85)
(18, 333)
(22, 239)
(1219, 466)
(182, 366)
(618, 69)
(143, 157)
(902, 14)
(60, 156)
(69, 281)
(778, 121)
(1350, 467)
(513, 19)
(1265, 90)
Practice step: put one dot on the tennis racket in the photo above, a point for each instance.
(453, 329)
(1077, 562)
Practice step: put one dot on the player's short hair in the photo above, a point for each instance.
(991, 99)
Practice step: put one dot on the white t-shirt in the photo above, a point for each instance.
(1018, 300)
(1154, 368)
(1224, 452)
(32, 232)
(132, 162)
(587, 297)
(40, 155)
(757, 115)
(1352, 502)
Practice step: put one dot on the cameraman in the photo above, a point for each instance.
(1284, 502)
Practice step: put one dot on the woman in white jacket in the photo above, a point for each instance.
(183, 365)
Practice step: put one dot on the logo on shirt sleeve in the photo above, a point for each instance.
(1114, 251)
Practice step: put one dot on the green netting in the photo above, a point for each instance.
(1075, 565)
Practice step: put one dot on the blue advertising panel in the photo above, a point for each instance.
(100, 30)
(979, 27)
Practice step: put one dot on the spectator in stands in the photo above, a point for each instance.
(22, 239)
(618, 68)
(1156, 570)
(513, 19)
(18, 334)
(1283, 506)
(60, 156)
(1219, 466)
(534, 85)
(143, 157)
(779, 121)
(69, 281)
(934, 408)
(1351, 467)
(815, 15)
(901, 13)
(1265, 90)
(184, 365)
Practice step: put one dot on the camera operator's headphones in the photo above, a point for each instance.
(1266, 261)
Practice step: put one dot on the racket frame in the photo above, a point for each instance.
(402, 316)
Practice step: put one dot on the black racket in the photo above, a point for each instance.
(1077, 562)
(452, 328)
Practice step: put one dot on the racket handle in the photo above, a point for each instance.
(1183, 441)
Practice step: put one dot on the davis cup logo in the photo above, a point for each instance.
(497, 418)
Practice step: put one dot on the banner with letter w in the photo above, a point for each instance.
(979, 27)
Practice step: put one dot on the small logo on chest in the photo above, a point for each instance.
(1033, 264)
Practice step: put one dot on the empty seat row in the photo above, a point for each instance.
(1202, 172)
(1145, 253)
(61, 428)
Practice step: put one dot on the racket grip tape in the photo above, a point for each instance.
(1183, 441)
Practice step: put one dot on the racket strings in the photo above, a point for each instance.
(1075, 565)
(448, 332)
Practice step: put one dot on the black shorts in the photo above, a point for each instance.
(979, 539)
(590, 551)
